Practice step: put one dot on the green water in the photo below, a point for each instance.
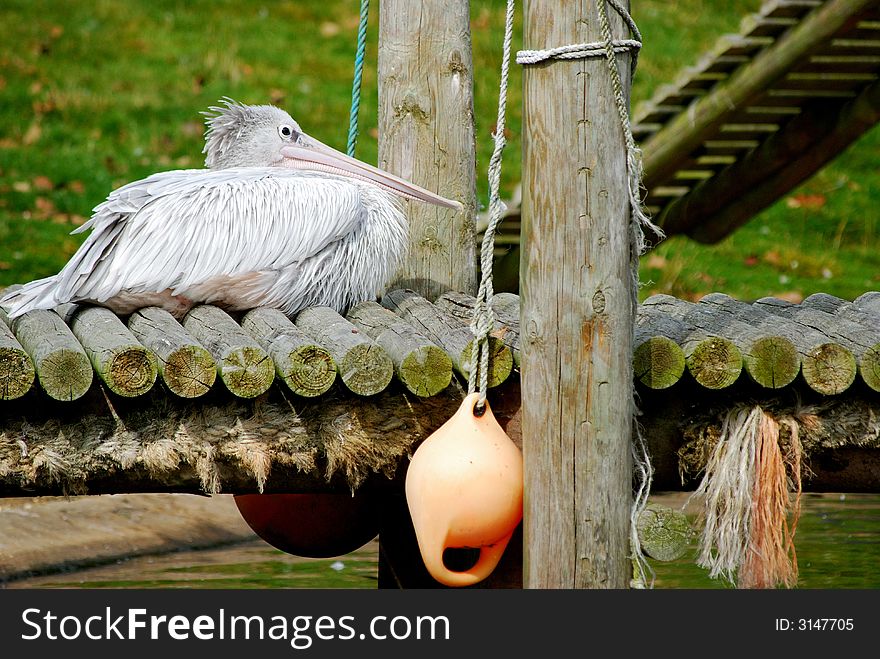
(837, 541)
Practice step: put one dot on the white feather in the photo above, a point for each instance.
(240, 237)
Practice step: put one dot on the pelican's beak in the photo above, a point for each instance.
(311, 154)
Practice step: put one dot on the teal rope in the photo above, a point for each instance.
(358, 75)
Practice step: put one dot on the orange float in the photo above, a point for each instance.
(464, 490)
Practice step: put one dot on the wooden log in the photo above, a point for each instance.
(684, 134)
(186, 368)
(426, 135)
(712, 359)
(826, 366)
(423, 367)
(505, 306)
(16, 369)
(823, 130)
(125, 366)
(243, 366)
(658, 360)
(767, 358)
(62, 366)
(862, 339)
(450, 333)
(577, 309)
(305, 367)
(364, 367)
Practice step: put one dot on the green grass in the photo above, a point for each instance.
(93, 95)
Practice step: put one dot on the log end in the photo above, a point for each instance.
(65, 374)
(500, 361)
(366, 369)
(189, 371)
(426, 371)
(16, 373)
(309, 372)
(869, 367)
(715, 363)
(664, 533)
(829, 369)
(247, 371)
(130, 371)
(772, 362)
(658, 362)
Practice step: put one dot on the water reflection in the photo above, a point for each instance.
(837, 541)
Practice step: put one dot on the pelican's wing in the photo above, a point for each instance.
(177, 229)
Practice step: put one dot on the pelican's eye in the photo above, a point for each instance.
(286, 132)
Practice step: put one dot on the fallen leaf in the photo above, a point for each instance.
(790, 296)
(44, 207)
(35, 87)
(32, 134)
(751, 260)
(21, 186)
(56, 31)
(374, 133)
(43, 183)
(329, 29)
(276, 96)
(76, 186)
(772, 257)
(77, 220)
(656, 261)
(5, 265)
(808, 201)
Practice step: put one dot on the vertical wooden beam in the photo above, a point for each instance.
(426, 135)
(577, 312)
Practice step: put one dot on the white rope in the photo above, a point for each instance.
(484, 317)
(576, 51)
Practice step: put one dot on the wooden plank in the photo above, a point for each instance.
(423, 367)
(186, 368)
(244, 367)
(577, 311)
(688, 131)
(364, 367)
(426, 135)
(126, 367)
(16, 369)
(305, 367)
(62, 366)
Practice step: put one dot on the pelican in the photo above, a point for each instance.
(276, 219)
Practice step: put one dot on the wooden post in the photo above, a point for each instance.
(426, 135)
(576, 310)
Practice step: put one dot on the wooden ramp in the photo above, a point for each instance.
(761, 113)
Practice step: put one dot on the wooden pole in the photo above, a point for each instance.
(426, 135)
(577, 311)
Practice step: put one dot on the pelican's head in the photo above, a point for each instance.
(247, 135)
(265, 136)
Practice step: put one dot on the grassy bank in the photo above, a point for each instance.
(93, 95)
